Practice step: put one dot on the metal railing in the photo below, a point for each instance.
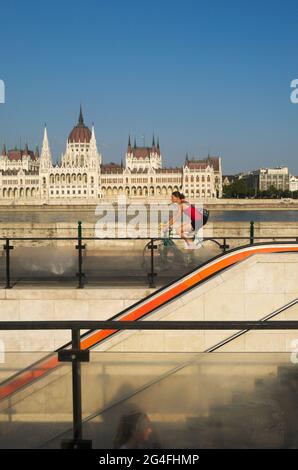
(222, 242)
(75, 355)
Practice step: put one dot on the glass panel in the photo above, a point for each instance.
(115, 262)
(43, 262)
(218, 400)
(129, 261)
(187, 400)
(33, 412)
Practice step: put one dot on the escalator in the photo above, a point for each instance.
(47, 381)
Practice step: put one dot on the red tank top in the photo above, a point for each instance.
(193, 213)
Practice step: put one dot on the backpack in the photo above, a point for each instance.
(205, 216)
(204, 213)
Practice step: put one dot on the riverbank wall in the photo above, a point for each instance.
(89, 206)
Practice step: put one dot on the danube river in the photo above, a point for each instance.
(72, 216)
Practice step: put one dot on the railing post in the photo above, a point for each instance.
(76, 388)
(80, 247)
(251, 232)
(152, 274)
(7, 247)
(76, 356)
(224, 245)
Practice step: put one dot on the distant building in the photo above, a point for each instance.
(202, 178)
(293, 183)
(81, 176)
(264, 178)
(142, 158)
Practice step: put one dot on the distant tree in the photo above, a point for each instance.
(238, 189)
(272, 193)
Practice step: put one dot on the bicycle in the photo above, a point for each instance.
(168, 255)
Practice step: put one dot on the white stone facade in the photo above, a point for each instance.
(274, 177)
(293, 183)
(80, 177)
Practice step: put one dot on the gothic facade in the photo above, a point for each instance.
(81, 177)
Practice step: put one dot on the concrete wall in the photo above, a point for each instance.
(58, 304)
(85, 203)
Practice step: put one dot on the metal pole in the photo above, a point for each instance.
(251, 232)
(80, 248)
(79, 229)
(152, 274)
(7, 249)
(224, 245)
(76, 387)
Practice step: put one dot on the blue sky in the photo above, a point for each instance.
(206, 76)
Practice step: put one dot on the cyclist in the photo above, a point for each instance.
(188, 219)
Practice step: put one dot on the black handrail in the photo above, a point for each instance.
(273, 237)
(75, 325)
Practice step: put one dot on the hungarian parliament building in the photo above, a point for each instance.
(81, 177)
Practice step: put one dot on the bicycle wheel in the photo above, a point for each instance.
(165, 255)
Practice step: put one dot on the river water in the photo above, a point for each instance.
(72, 216)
